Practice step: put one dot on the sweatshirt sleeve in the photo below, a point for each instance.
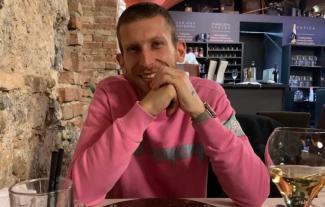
(241, 173)
(105, 148)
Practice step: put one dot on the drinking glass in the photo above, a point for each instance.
(34, 193)
(315, 60)
(234, 74)
(296, 162)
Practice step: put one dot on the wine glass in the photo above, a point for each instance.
(296, 162)
(234, 74)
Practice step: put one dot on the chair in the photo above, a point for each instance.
(321, 120)
(288, 118)
(258, 129)
(212, 69)
(221, 71)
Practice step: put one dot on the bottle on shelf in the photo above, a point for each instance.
(311, 94)
(188, 7)
(293, 36)
(275, 74)
(196, 51)
(201, 52)
(252, 72)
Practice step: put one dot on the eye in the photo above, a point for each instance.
(157, 44)
(132, 49)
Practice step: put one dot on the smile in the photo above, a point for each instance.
(148, 77)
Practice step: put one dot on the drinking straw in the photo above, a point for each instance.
(54, 162)
(54, 178)
(58, 168)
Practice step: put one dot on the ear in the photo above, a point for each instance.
(181, 50)
(120, 60)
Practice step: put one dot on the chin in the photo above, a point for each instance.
(142, 90)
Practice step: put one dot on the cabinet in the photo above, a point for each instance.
(303, 66)
(231, 52)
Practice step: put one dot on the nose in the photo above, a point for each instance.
(146, 58)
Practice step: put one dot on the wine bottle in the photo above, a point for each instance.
(293, 36)
(275, 74)
(252, 72)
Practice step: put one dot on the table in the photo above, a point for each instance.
(220, 202)
(249, 99)
(226, 202)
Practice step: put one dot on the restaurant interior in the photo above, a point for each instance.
(274, 39)
(288, 76)
(268, 55)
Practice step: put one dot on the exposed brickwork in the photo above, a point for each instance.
(88, 58)
(69, 94)
(51, 74)
(71, 110)
(75, 6)
(75, 38)
(75, 21)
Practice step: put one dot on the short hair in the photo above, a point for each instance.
(145, 10)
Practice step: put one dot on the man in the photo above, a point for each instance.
(152, 131)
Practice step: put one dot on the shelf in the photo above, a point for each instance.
(304, 102)
(231, 52)
(211, 57)
(212, 50)
(315, 87)
(197, 43)
(303, 66)
(306, 46)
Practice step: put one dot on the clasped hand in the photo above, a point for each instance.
(171, 88)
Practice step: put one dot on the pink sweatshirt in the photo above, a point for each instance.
(127, 153)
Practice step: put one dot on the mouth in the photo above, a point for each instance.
(147, 77)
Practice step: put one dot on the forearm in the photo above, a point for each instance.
(241, 173)
(100, 164)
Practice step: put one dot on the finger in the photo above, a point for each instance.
(166, 76)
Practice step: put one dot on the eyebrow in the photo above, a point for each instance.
(136, 44)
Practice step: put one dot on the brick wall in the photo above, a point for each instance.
(89, 57)
(89, 54)
(49, 68)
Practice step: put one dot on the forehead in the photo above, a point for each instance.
(144, 28)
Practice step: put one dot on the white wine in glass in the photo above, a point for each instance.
(296, 161)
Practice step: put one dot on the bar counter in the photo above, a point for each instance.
(249, 98)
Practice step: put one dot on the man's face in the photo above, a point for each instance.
(147, 43)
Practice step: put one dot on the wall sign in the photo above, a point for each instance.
(224, 27)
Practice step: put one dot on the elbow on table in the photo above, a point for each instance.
(257, 195)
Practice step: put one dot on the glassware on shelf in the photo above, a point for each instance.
(311, 60)
(300, 60)
(311, 95)
(322, 81)
(234, 75)
(298, 96)
(295, 158)
(304, 61)
(315, 60)
(294, 60)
